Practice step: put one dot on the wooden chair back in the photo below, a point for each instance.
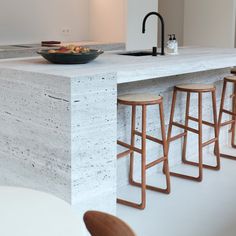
(102, 224)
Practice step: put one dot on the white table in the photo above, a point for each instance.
(25, 212)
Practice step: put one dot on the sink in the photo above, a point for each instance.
(136, 53)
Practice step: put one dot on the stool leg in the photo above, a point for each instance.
(186, 131)
(233, 139)
(220, 120)
(200, 136)
(217, 149)
(217, 146)
(165, 149)
(144, 124)
(222, 103)
(200, 146)
(142, 205)
(164, 159)
(172, 114)
(133, 124)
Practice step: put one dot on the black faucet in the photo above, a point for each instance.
(154, 50)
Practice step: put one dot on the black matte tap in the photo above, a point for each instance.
(154, 52)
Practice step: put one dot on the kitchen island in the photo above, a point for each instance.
(59, 122)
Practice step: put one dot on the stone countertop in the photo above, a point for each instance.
(131, 69)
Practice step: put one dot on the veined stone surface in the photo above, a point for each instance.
(58, 126)
(35, 136)
(133, 69)
(60, 137)
(93, 141)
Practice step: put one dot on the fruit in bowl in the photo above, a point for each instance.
(70, 49)
(71, 54)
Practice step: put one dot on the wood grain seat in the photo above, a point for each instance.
(196, 87)
(102, 224)
(231, 78)
(139, 99)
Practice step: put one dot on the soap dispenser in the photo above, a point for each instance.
(175, 45)
(170, 45)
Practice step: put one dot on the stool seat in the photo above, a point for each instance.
(196, 87)
(231, 78)
(139, 99)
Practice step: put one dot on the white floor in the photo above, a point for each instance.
(192, 209)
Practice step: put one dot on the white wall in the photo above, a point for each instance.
(206, 22)
(136, 10)
(121, 21)
(107, 20)
(173, 13)
(209, 23)
(30, 21)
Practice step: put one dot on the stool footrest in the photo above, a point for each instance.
(185, 127)
(203, 165)
(155, 162)
(203, 121)
(229, 112)
(228, 156)
(177, 137)
(129, 147)
(227, 123)
(130, 204)
(209, 142)
(152, 188)
(123, 154)
(156, 140)
(197, 179)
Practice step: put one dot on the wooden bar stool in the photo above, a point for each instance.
(232, 121)
(233, 128)
(103, 224)
(199, 89)
(144, 100)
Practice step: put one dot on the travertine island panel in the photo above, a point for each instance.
(59, 122)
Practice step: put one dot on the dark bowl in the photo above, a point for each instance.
(70, 58)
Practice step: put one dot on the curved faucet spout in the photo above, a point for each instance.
(162, 29)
